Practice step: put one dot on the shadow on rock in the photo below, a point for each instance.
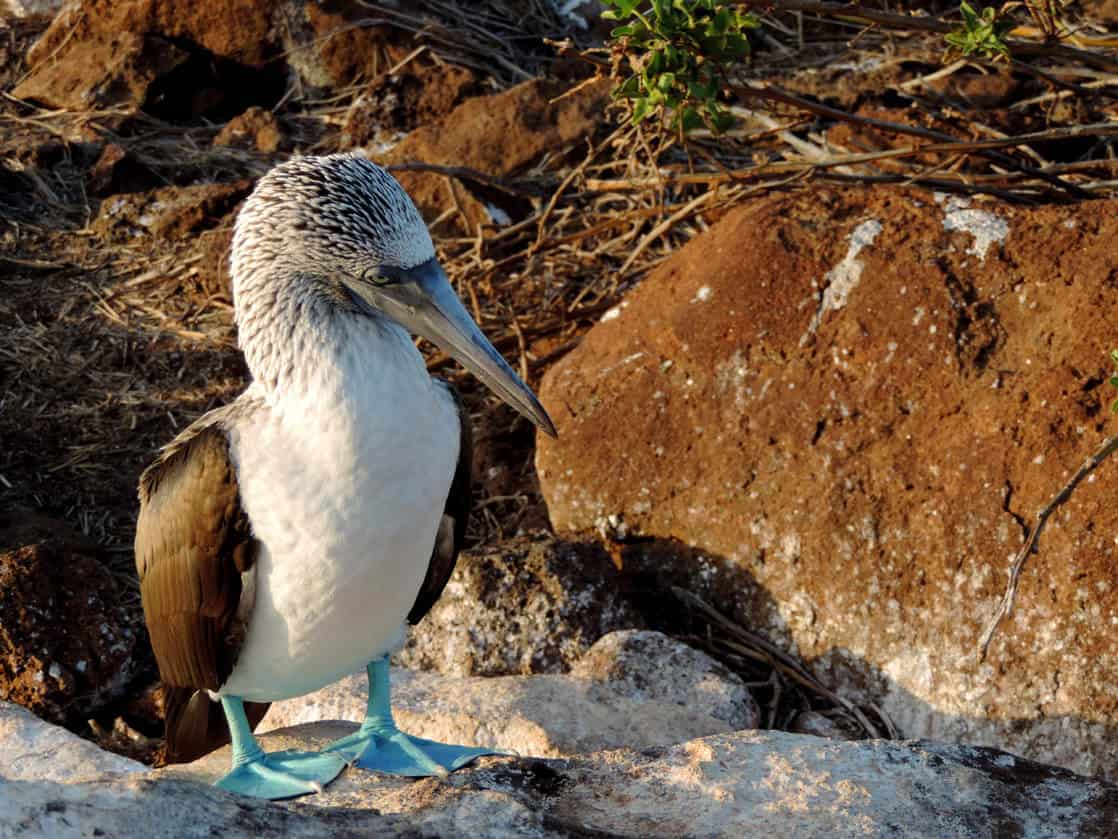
(753, 635)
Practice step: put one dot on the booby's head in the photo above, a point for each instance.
(345, 231)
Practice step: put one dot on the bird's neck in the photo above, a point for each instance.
(312, 347)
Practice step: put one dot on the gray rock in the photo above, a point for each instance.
(161, 809)
(526, 606)
(820, 725)
(31, 749)
(28, 8)
(674, 695)
(650, 666)
(733, 785)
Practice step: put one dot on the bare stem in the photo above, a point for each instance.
(1006, 604)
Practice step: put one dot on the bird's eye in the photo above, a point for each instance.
(382, 275)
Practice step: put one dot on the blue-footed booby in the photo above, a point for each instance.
(286, 539)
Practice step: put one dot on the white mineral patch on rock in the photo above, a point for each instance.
(986, 228)
(499, 216)
(844, 277)
(578, 13)
(615, 312)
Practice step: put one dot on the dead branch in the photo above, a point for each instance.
(776, 94)
(912, 23)
(756, 647)
(1102, 129)
(1006, 604)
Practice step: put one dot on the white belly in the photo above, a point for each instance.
(345, 500)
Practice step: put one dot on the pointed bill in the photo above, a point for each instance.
(423, 301)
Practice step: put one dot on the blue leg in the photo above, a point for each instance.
(277, 775)
(378, 744)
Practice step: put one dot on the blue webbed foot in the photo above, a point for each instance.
(378, 744)
(283, 774)
(387, 749)
(276, 775)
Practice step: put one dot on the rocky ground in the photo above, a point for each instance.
(808, 409)
(655, 768)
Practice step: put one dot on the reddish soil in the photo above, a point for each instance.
(67, 633)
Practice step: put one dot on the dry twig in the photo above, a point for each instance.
(1005, 606)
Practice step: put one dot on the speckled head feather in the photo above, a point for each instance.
(312, 226)
(336, 214)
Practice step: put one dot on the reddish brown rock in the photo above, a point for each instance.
(66, 637)
(850, 402)
(496, 135)
(169, 213)
(397, 103)
(339, 44)
(102, 53)
(235, 29)
(255, 129)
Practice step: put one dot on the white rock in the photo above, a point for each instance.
(734, 785)
(608, 702)
(31, 749)
(27, 8)
(649, 666)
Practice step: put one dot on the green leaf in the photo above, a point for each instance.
(625, 8)
(720, 120)
(737, 46)
(700, 89)
(689, 119)
(719, 23)
(747, 20)
(970, 19)
(640, 110)
(629, 88)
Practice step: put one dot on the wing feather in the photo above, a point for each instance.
(193, 544)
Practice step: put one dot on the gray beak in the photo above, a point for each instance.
(423, 302)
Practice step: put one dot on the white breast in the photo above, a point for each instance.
(344, 482)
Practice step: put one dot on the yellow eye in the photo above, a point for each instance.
(382, 275)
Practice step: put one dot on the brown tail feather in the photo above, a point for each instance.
(196, 725)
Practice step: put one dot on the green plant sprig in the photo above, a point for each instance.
(679, 51)
(982, 33)
(1114, 380)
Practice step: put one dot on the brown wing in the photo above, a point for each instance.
(456, 513)
(193, 543)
